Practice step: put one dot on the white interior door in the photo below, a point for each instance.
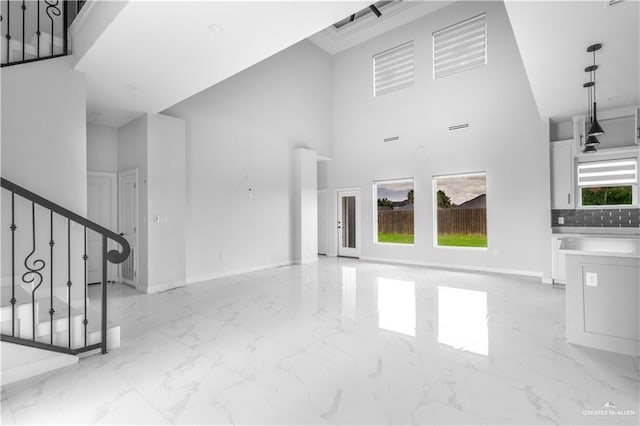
(101, 208)
(322, 221)
(349, 223)
(128, 223)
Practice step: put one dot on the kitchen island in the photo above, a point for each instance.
(603, 293)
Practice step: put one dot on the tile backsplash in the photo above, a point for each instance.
(606, 218)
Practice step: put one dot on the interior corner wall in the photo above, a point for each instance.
(241, 134)
(306, 205)
(132, 154)
(166, 183)
(102, 148)
(504, 139)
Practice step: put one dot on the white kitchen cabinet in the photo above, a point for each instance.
(637, 126)
(558, 261)
(562, 186)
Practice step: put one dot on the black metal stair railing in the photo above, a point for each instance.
(34, 268)
(32, 30)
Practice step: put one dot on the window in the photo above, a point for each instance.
(393, 69)
(461, 205)
(460, 47)
(608, 182)
(394, 209)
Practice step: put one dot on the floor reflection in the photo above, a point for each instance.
(397, 306)
(462, 319)
(349, 292)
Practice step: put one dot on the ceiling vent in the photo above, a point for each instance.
(460, 47)
(392, 139)
(458, 126)
(393, 69)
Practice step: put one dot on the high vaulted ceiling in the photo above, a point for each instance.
(144, 56)
(152, 55)
(553, 36)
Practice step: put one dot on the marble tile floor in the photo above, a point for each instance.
(339, 342)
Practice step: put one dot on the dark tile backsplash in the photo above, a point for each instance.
(606, 218)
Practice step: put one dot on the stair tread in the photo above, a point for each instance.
(21, 295)
(20, 362)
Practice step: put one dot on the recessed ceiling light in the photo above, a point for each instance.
(216, 28)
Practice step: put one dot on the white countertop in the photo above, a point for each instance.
(601, 246)
(596, 232)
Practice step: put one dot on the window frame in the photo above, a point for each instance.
(634, 185)
(375, 211)
(434, 194)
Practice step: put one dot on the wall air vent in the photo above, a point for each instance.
(460, 47)
(393, 69)
(392, 139)
(458, 126)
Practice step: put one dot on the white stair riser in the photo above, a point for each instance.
(62, 338)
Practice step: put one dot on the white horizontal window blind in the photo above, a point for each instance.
(612, 172)
(393, 69)
(460, 47)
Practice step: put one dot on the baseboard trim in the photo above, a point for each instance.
(159, 288)
(307, 261)
(503, 271)
(202, 278)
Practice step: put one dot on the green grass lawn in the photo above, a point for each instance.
(460, 240)
(384, 237)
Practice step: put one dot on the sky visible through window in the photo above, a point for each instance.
(463, 188)
(394, 191)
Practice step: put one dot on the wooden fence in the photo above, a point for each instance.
(462, 221)
(395, 221)
(450, 221)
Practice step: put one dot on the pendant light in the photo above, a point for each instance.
(592, 141)
(595, 129)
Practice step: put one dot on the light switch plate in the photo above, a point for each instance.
(591, 279)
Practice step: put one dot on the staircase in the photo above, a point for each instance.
(35, 30)
(46, 305)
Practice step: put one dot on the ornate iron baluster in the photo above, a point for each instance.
(24, 10)
(51, 244)
(8, 35)
(52, 10)
(104, 294)
(38, 31)
(65, 25)
(84, 258)
(13, 265)
(69, 277)
(33, 271)
(34, 277)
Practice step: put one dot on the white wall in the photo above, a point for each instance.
(504, 138)
(44, 131)
(102, 148)
(241, 135)
(155, 145)
(44, 150)
(306, 205)
(167, 199)
(132, 154)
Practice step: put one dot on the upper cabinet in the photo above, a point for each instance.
(638, 126)
(621, 127)
(562, 194)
